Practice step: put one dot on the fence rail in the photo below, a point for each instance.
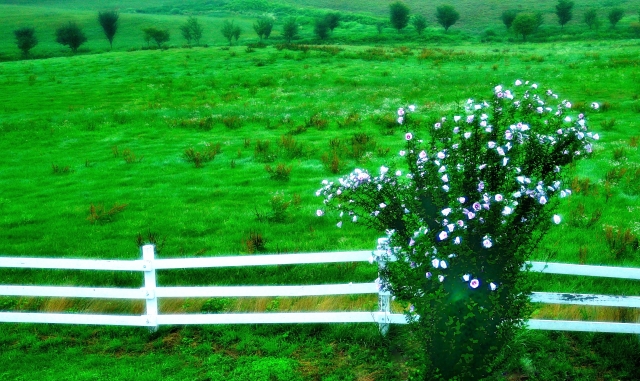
(150, 293)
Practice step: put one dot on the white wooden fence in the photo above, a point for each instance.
(383, 317)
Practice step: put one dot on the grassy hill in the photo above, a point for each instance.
(113, 130)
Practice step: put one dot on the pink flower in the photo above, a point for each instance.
(476, 206)
(474, 283)
(400, 120)
(408, 136)
(498, 197)
(319, 213)
(400, 111)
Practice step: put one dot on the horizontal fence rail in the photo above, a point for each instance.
(150, 292)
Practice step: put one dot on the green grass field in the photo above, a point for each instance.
(112, 128)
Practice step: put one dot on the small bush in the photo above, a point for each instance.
(332, 162)
(608, 124)
(151, 238)
(61, 170)
(279, 206)
(232, 122)
(97, 213)
(129, 157)
(620, 242)
(255, 243)
(292, 149)
(199, 158)
(280, 173)
(619, 154)
(262, 152)
(216, 305)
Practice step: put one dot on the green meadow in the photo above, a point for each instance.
(218, 150)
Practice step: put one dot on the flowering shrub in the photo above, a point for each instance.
(475, 195)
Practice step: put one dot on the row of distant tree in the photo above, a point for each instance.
(70, 35)
(522, 23)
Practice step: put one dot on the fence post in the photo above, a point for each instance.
(384, 297)
(148, 255)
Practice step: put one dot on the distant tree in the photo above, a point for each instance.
(71, 35)
(290, 29)
(635, 28)
(615, 15)
(236, 33)
(591, 19)
(227, 30)
(159, 36)
(564, 11)
(420, 23)
(263, 27)
(109, 22)
(321, 28)
(525, 24)
(333, 20)
(191, 30)
(380, 27)
(447, 16)
(25, 39)
(399, 15)
(508, 17)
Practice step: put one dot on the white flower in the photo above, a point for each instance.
(518, 82)
(507, 210)
(493, 286)
(467, 135)
(466, 277)
(556, 219)
(445, 178)
(451, 227)
(443, 235)
(487, 242)
(383, 205)
(339, 224)
(595, 105)
(398, 173)
(435, 263)
(446, 211)
(445, 188)
(441, 278)
(384, 170)
(354, 219)
(456, 118)
(491, 144)
(319, 213)
(400, 111)
(543, 200)
(462, 200)
(412, 108)
(443, 264)
(457, 241)
(441, 155)
(400, 120)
